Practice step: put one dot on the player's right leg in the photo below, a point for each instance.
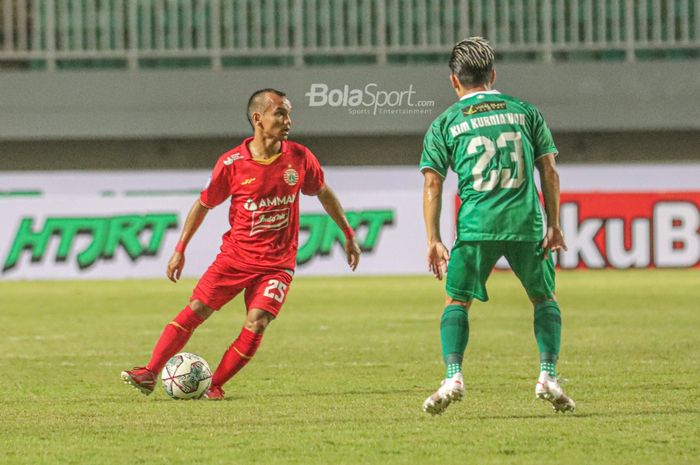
(214, 289)
(548, 389)
(468, 269)
(454, 335)
(173, 338)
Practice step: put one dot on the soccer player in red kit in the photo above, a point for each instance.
(263, 177)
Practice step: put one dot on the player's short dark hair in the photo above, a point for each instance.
(472, 61)
(257, 103)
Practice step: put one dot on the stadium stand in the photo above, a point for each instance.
(151, 83)
(130, 34)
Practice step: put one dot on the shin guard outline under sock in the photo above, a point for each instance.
(547, 325)
(237, 356)
(454, 336)
(173, 338)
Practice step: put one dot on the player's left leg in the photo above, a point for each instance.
(469, 268)
(536, 273)
(240, 352)
(264, 299)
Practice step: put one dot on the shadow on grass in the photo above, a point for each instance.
(578, 414)
(233, 397)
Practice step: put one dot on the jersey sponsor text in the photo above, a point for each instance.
(269, 220)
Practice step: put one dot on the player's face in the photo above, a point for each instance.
(275, 120)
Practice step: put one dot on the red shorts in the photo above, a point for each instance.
(222, 282)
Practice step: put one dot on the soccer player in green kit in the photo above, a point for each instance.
(493, 142)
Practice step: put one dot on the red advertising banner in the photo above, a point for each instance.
(631, 229)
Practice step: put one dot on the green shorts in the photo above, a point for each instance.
(471, 263)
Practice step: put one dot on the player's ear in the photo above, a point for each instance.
(454, 81)
(493, 76)
(257, 119)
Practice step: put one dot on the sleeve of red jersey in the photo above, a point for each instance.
(218, 188)
(313, 178)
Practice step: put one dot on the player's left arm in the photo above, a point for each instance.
(331, 204)
(549, 177)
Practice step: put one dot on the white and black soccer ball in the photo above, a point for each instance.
(186, 376)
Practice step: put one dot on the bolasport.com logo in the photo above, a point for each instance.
(370, 100)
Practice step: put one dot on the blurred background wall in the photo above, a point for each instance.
(163, 84)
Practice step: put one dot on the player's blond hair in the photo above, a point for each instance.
(472, 61)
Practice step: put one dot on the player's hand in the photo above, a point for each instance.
(554, 240)
(175, 266)
(352, 251)
(438, 256)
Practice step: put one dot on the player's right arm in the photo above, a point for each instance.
(432, 205)
(545, 153)
(177, 260)
(216, 191)
(434, 163)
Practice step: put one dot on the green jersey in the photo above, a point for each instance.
(491, 141)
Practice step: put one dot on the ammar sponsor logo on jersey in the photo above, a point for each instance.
(251, 205)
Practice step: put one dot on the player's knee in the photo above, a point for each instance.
(201, 309)
(256, 326)
(258, 320)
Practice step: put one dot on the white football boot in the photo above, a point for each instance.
(451, 389)
(548, 388)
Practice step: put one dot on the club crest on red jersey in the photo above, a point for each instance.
(291, 176)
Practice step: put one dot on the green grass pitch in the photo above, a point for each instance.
(341, 376)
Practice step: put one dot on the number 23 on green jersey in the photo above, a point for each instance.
(491, 141)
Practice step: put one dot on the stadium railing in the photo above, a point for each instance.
(135, 34)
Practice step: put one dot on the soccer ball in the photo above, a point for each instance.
(186, 376)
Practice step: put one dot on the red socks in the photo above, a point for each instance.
(178, 332)
(173, 338)
(238, 354)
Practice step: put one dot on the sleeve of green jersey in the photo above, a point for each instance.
(435, 155)
(542, 136)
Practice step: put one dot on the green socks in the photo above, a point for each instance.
(454, 335)
(548, 335)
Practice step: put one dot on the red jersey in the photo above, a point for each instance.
(264, 212)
